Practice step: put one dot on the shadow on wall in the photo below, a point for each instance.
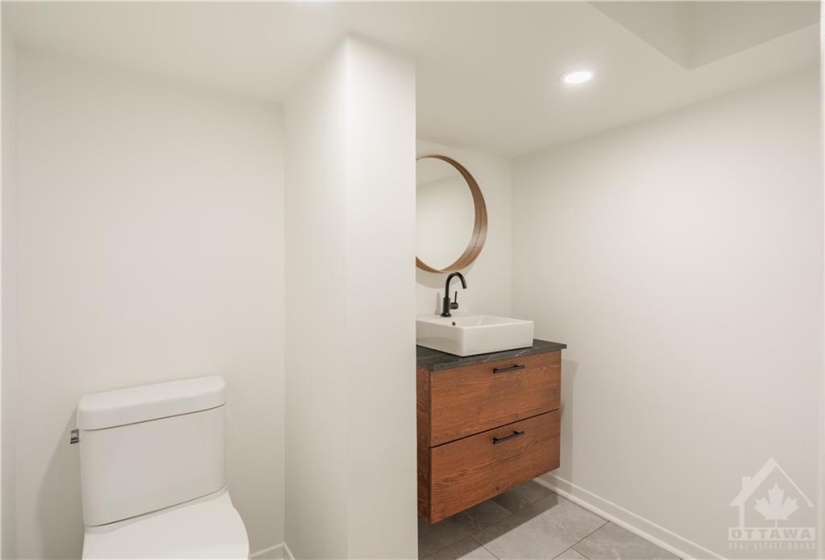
(59, 504)
(569, 369)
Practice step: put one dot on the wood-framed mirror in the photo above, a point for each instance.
(451, 215)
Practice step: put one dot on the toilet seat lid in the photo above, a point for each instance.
(203, 529)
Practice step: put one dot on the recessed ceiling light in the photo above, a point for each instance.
(577, 77)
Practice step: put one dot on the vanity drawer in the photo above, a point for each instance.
(471, 399)
(467, 472)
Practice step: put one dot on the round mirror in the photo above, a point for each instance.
(451, 217)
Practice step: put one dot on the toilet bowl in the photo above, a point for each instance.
(209, 528)
(153, 476)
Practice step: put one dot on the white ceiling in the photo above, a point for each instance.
(695, 33)
(487, 72)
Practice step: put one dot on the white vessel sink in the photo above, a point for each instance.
(468, 335)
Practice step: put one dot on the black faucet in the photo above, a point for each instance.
(446, 305)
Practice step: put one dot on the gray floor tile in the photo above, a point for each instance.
(570, 554)
(468, 549)
(432, 538)
(612, 542)
(544, 529)
(522, 496)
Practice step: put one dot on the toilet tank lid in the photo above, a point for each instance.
(149, 402)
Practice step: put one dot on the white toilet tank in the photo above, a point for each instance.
(150, 447)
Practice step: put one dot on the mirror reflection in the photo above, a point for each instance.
(445, 213)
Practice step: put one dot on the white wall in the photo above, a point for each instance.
(821, 494)
(150, 248)
(7, 464)
(316, 381)
(681, 260)
(489, 277)
(381, 303)
(350, 231)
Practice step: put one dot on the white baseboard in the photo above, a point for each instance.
(665, 538)
(277, 552)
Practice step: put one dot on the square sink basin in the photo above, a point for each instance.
(469, 335)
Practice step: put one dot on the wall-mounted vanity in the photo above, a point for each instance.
(485, 423)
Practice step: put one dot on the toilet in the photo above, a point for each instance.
(153, 476)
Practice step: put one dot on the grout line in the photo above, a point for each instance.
(434, 552)
(587, 535)
(579, 553)
(511, 512)
(485, 548)
(568, 550)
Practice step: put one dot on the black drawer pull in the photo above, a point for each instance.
(506, 369)
(514, 435)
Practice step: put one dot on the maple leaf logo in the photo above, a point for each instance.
(777, 506)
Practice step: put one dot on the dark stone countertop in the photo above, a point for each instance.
(434, 360)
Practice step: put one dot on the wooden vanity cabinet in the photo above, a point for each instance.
(485, 428)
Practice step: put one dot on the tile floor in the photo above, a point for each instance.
(531, 522)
